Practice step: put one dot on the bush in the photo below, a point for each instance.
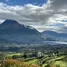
(16, 63)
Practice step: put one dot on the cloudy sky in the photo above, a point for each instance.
(41, 14)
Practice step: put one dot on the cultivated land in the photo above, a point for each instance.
(38, 57)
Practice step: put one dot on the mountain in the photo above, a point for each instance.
(12, 31)
(54, 36)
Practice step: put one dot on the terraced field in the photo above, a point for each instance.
(43, 61)
(49, 62)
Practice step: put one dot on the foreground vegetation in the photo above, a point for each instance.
(34, 56)
(32, 59)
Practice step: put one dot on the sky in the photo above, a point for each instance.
(23, 2)
(41, 14)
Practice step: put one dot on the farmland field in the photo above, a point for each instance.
(33, 59)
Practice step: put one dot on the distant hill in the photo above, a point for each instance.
(54, 36)
(12, 31)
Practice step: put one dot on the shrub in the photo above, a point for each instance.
(16, 63)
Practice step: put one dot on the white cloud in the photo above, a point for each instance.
(40, 17)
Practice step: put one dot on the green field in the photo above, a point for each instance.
(46, 60)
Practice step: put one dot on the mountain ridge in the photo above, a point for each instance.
(55, 36)
(11, 30)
